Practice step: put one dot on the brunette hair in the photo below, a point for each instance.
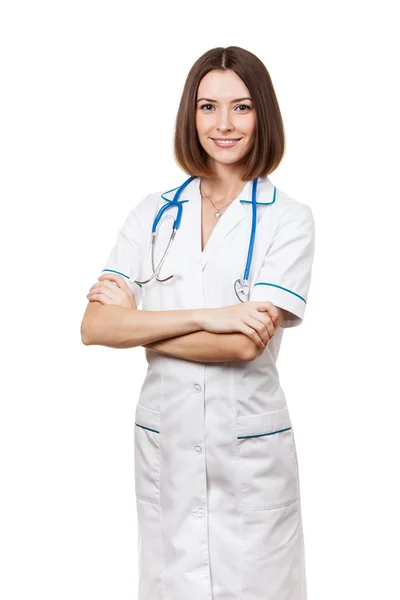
(269, 143)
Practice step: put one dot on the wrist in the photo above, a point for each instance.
(198, 316)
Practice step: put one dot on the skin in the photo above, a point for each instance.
(256, 322)
(237, 332)
(224, 118)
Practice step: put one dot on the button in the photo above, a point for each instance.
(197, 387)
(199, 512)
(198, 449)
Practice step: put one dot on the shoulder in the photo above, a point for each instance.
(281, 204)
(287, 216)
(287, 205)
(154, 200)
(292, 213)
(147, 205)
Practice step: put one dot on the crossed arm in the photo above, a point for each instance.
(112, 319)
(173, 333)
(204, 346)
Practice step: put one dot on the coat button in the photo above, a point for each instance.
(199, 512)
(198, 449)
(197, 387)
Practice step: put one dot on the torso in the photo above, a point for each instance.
(208, 220)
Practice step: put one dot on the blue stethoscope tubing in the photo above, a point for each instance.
(241, 286)
(176, 225)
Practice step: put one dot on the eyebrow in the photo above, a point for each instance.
(237, 100)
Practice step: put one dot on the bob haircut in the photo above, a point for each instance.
(269, 140)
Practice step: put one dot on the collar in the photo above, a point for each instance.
(266, 192)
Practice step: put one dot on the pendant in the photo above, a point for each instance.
(217, 214)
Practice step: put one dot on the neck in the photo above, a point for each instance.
(227, 183)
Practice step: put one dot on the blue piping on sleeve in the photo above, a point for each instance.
(119, 273)
(282, 288)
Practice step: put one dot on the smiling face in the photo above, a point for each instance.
(225, 111)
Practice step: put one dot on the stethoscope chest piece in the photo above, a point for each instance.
(242, 289)
(241, 286)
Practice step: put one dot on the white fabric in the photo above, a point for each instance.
(125, 257)
(216, 475)
(284, 278)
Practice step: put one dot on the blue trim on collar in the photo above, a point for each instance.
(260, 202)
(246, 201)
(170, 200)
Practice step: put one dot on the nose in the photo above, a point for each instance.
(223, 120)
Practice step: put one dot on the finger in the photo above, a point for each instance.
(270, 308)
(265, 319)
(100, 285)
(119, 296)
(99, 298)
(253, 335)
(105, 291)
(259, 327)
(118, 279)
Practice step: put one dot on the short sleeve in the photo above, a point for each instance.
(125, 257)
(285, 275)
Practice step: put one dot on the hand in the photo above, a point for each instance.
(112, 289)
(257, 320)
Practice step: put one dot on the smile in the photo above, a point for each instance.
(226, 142)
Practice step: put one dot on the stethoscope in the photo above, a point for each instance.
(241, 286)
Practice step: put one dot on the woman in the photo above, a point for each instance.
(216, 475)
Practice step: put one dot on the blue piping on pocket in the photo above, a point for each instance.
(242, 437)
(148, 428)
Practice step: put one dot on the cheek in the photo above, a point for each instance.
(251, 126)
(199, 122)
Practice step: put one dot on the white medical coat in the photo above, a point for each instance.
(216, 472)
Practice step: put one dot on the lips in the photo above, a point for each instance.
(225, 142)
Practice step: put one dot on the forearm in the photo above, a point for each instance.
(202, 346)
(119, 327)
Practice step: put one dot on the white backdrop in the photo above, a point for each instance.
(89, 96)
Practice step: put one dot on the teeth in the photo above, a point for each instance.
(226, 142)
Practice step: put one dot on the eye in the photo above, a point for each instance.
(246, 107)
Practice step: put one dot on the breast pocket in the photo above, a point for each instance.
(147, 454)
(267, 460)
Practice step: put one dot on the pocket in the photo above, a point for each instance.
(147, 454)
(272, 564)
(267, 460)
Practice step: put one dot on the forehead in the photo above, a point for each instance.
(222, 85)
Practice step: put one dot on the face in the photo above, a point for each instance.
(225, 111)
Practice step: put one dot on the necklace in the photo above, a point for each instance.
(217, 214)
